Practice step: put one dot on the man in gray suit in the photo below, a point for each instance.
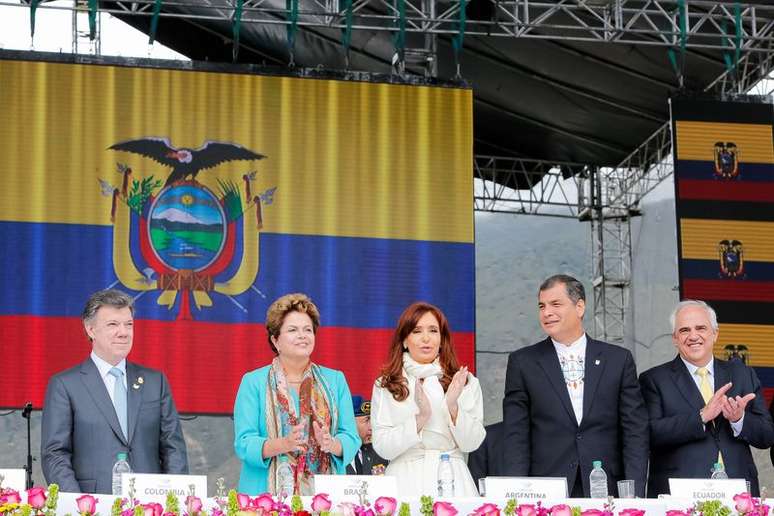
(105, 406)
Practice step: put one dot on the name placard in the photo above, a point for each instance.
(149, 484)
(526, 488)
(351, 488)
(14, 479)
(701, 489)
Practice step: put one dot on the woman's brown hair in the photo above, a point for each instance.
(392, 377)
(280, 309)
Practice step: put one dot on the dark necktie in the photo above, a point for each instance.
(359, 462)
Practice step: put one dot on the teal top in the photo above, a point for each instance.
(250, 426)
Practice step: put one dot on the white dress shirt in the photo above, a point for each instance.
(572, 360)
(104, 372)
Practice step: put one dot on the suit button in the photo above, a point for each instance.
(579, 436)
(573, 465)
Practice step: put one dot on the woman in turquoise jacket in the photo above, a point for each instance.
(292, 411)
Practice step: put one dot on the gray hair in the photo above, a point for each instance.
(108, 297)
(713, 317)
(574, 288)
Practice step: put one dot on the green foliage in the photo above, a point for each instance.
(404, 510)
(232, 201)
(296, 504)
(576, 511)
(173, 504)
(52, 500)
(141, 192)
(510, 507)
(713, 508)
(233, 505)
(427, 505)
(26, 509)
(118, 507)
(139, 511)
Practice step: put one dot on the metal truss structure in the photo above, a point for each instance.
(606, 197)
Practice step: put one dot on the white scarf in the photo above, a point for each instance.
(431, 374)
(421, 371)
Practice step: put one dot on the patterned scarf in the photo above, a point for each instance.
(316, 404)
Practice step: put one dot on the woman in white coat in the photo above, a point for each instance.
(424, 405)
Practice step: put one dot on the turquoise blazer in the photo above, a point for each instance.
(250, 427)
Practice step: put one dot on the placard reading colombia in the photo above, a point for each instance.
(206, 195)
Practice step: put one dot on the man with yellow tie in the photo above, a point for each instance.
(702, 410)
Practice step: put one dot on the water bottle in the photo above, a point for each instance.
(598, 480)
(718, 472)
(121, 466)
(445, 477)
(285, 482)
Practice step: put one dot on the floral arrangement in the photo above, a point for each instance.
(40, 502)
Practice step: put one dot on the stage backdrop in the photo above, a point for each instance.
(358, 194)
(724, 180)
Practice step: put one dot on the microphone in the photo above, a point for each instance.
(27, 410)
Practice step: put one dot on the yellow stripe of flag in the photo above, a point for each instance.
(347, 158)
(757, 337)
(700, 238)
(696, 141)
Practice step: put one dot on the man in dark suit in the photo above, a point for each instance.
(485, 461)
(367, 461)
(702, 408)
(571, 400)
(105, 406)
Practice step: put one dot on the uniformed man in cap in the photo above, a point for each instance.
(366, 462)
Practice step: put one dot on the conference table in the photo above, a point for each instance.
(464, 506)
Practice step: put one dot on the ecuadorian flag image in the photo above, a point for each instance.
(206, 195)
(724, 180)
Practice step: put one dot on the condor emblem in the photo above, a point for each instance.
(731, 258)
(178, 236)
(726, 160)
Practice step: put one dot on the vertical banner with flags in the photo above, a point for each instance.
(206, 195)
(724, 188)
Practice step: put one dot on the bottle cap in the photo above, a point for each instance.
(121, 456)
(718, 465)
(597, 464)
(444, 456)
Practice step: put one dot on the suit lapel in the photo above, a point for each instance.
(98, 392)
(594, 367)
(549, 362)
(722, 374)
(685, 384)
(134, 396)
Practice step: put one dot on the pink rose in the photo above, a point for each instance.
(592, 512)
(366, 512)
(36, 497)
(677, 513)
(744, 503)
(87, 504)
(10, 496)
(264, 502)
(385, 505)
(321, 502)
(153, 509)
(526, 510)
(346, 508)
(631, 512)
(443, 509)
(561, 510)
(488, 509)
(243, 501)
(168, 514)
(193, 503)
(127, 512)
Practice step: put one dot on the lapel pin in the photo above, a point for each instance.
(596, 362)
(135, 386)
(140, 380)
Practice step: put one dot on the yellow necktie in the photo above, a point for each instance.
(706, 389)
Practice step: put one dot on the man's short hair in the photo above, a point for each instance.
(108, 297)
(713, 317)
(574, 288)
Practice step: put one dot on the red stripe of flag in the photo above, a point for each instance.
(203, 361)
(729, 290)
(758, 191)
